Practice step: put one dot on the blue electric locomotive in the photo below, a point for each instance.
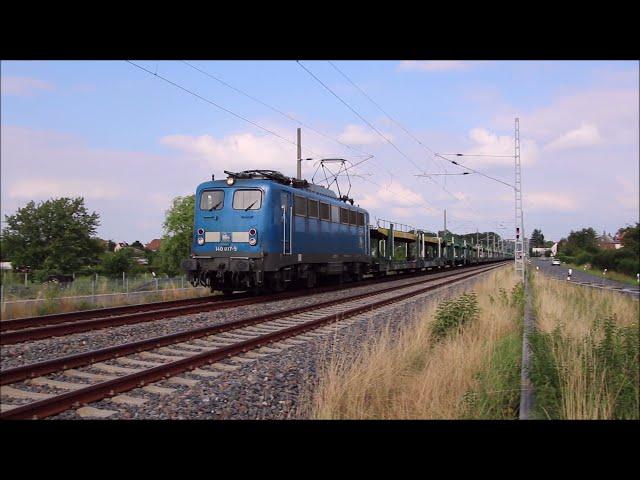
(259, 229)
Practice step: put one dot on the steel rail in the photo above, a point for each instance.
(60, 403)
(23, 372)
(57, 324)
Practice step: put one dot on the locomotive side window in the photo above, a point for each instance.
(247, 200)
(212, 200)
(325, 211)
(344, 216)
(352, 217)
(335, 214)
(313, 208)
(360, 219)
(300, 205)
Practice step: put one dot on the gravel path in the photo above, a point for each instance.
(275, 385)
(20, 354)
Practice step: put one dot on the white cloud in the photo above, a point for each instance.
(586, 135)
(122, 186)
(243, 151)
(50, 188)
(394, 195)
(628, 196)
(488, 143)
(23, 86)
(433, 65)
(549, 201)
(361, 135)
(613, 110)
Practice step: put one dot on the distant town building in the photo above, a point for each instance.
(120, 246)
(540, 250)
(154, 245)
(607, 242)
(5, 266)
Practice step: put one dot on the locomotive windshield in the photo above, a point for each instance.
(212, 200)
(247, 200)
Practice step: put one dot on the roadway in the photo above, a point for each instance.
(578, 276)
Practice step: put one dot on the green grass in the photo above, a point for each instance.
(611, 275)
(497, 395)
(615, 354)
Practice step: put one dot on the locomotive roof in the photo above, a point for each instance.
(275, 176)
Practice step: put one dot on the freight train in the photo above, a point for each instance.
(260, 230)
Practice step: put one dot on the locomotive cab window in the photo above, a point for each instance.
(212, 200)
(313, 208)
(352, 217)
(325, 211)
(300, 205)
(344, 216)
(360, 219)
(247, 200)
(335, 214)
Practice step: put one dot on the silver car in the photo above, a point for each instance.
(555, 261)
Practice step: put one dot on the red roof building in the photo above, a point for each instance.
(154, 245)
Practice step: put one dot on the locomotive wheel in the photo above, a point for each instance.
(277, 282)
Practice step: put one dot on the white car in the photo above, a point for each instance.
(555, 261)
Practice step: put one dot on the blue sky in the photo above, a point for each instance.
(129, 142)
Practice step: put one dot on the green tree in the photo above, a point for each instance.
(537, 239)
(631, 238)
(582, 240)
(53, 236)
(178, 234)
(114, 263)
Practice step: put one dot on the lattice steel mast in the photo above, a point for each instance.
(519, 245)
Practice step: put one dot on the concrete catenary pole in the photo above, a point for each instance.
(299, 166)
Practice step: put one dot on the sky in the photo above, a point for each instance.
(130, 140)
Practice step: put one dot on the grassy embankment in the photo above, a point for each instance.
(460, 359)
(56, 299)
(597, 272)
(585, 353)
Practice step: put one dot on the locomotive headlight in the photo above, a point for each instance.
(230, 181)
(252, 241)
(253, 232)
(201, 231)
(200, 240)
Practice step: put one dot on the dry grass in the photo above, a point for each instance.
(586, 353)
(49, 303)
(410, 375)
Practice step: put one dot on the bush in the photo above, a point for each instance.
(583, 257)
(629, 266)
(452, 314)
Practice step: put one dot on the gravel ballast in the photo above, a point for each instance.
(276, 385)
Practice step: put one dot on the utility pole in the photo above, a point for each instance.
(299, 170)
(519, 240)
(445, 224)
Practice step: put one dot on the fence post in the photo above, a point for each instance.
(123, 288)
(25, 278)
(182, 281)
(156, 284)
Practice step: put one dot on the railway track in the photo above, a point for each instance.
(35, 328)
(166, 356)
